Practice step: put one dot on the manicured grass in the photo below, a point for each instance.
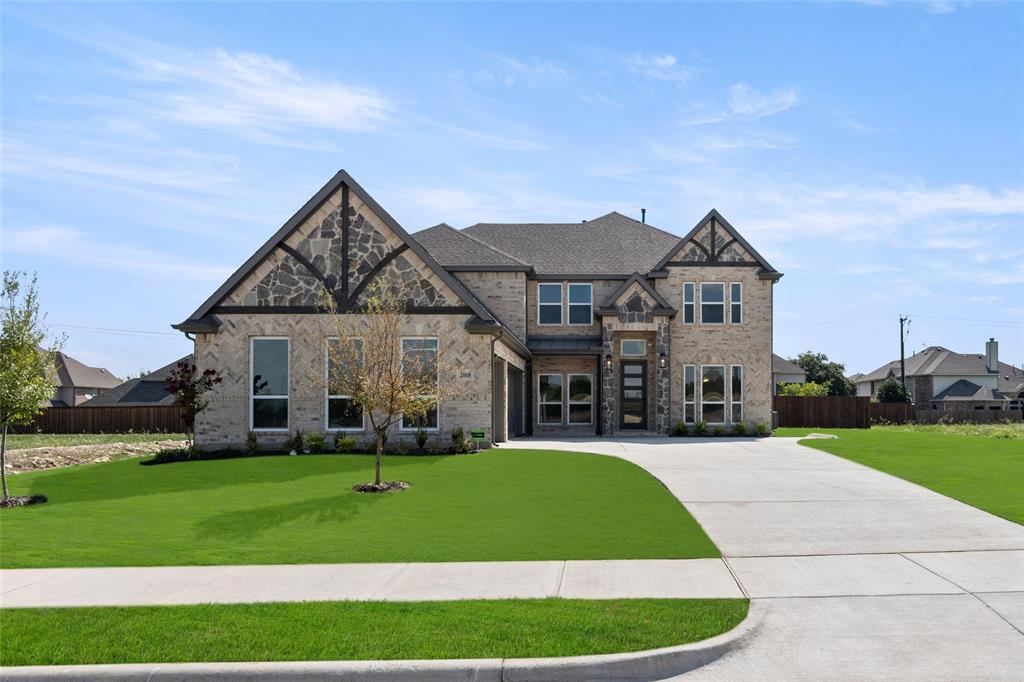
(21, 441)
(984, 470)
(497, 505)
(314, 631)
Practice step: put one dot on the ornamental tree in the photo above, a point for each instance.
(190, 387)
(892, 390)
(28, 372)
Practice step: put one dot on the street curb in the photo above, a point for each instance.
(653, 664)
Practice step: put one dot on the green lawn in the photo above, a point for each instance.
(314, 631)
(975, 465)
(497, 505)
(21, 441)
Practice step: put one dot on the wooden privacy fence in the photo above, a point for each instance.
(826, 412)
(113, 419)
(894, 413)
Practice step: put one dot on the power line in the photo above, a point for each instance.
(109, 330)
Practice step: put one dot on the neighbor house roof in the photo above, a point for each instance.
(611, 244)
(150, 389)
(781, 365)
(71, 372)
(457, 250)
(937, 361)
(962, 389)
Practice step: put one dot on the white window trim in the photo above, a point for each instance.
(692, 304)
(541, 402)
(328, 395)
(732, 398)
(733, 303)
(723, 304)
(288, 381)
(570, 402)
(695, 389)
(624, 354)
(725, 397)
(402, 428)
(569, 304)
(561, 304)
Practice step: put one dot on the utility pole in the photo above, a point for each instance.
(903, 364)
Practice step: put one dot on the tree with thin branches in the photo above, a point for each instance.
(28, 372)
(383, 381)
(189, 387)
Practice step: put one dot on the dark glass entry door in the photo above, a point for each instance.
(633, 395)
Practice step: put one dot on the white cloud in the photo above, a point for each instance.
(77, 247)
(746, 102)
(663, 67)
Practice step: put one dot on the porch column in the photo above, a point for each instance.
(663, 385)
(608, 393)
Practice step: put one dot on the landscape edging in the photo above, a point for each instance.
(637, 665)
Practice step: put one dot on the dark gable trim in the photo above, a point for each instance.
(206, 325)
(313, 310)
(576, 277)
(609, 303)
(383, 263)
(716, 219)
(488, 268)
(345, 182)
(712, 264)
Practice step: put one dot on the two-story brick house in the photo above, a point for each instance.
(600, 327)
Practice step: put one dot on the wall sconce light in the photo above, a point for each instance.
(662, 360)
(608, 361)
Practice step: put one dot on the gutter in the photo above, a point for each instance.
(478, 326)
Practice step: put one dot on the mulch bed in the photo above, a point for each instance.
(22, 500)
(382, 487)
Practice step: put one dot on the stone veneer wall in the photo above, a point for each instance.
(658, 380)
(226, 421)
(502, 292)
(748, 344)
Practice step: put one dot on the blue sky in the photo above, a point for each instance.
(873, 152)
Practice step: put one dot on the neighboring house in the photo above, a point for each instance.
(940, 378)
(147, 390)
(600, 327)
(77, 382)
(786, 372)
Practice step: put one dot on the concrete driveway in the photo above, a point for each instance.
(865, 576)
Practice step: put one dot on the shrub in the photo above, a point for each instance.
(680, 429)
(421, 437)
(739, 429)
(460, 444)
(252, 446)
(315, 442)
(892, 390)
(718, 431)
(433, 450)
(700, 428)
(804, 390)
(344, 443)
(762, 429)
(296, 442)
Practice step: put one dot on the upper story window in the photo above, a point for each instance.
(268, 382)
(712, 303)
(633, 347)
(419, 355)
(736, 302)
(689, 302)
(343, 413)
(549, 304)
(581, 304)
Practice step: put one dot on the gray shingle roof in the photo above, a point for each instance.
(147, 390)
(611, 244)
(936, 360)
(449, 247)
(781, 365)
(71, 372)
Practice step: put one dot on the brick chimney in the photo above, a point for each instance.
(992, 356)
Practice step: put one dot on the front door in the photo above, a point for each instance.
(633, 395)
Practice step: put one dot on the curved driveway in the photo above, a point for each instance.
(866, 576)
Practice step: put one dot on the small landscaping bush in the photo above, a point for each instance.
(460, 444)
(680, 429)
(718, 431)
(421, 437)
(295, 443)
(739, 429)
(315, 442)
(762, 429)
(344, 443)
(700, 428)
(252, 446)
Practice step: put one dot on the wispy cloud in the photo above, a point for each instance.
(940, 7)
(743, 103)
(868, 269)
(77, 247)
(662, 67)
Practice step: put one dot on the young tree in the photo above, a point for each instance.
(367, 363)
(27, 371)
(190, 387)
(892, 390)
(821, 370)
(811, 388)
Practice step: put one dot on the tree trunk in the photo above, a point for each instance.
(380, 452)
(3, 459)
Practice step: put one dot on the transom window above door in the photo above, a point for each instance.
(633, 348)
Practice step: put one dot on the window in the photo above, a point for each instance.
(737, 394)
(580, 402)
(549, 404)
(633, 348)
(736, 302)
(549, 304)
(712, 303)
(420, 355)
(581, 298)
(343, 414)
(268, 371)
(689, 303)
(689, 393)
(712, 394)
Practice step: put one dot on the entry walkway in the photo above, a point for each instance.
(864, 576)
